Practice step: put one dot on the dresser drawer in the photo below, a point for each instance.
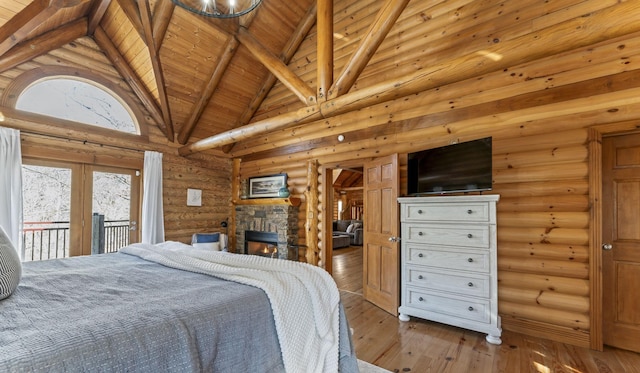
(469, 260)
(462, 283)
(468, 212)
(450, 235)
(478, 310)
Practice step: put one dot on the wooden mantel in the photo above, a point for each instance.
(292, 201)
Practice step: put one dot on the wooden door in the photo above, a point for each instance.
(380, 255)
(621, 230)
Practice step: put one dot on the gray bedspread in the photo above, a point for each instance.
(120, 313)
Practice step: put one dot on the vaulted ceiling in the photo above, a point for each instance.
(196, 76)
(212, 83)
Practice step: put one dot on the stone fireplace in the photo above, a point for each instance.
(279, 222)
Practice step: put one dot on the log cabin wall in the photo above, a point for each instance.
(537, 76)
(211, 174)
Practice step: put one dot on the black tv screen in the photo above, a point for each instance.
(461, 167)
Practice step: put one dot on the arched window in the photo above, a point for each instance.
(76, 100)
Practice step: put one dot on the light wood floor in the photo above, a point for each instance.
(424, 346)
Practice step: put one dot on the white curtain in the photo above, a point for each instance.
(152, 213)
(11, 186)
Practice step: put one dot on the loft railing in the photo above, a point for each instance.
(50, 240)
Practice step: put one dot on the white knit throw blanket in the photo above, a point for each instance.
(304, 298)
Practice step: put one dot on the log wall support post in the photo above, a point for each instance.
(235, 195)
(311, 225)
(595, 240)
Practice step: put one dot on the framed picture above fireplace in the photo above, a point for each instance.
(266, 186)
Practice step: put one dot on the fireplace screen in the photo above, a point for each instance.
(261, 243)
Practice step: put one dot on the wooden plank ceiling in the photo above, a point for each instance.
(196, 76)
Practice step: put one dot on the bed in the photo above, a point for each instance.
(173, 308)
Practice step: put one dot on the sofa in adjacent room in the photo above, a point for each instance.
(351, 227)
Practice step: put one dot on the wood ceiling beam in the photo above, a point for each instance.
(304, 115)
(205, 96)
(385, 19)
(301, 31)
(145, 17)
(104, 42)
(543, 43)
(44, 43)
(277, 67)
(98, 10)
(19, 26)
(133, 14)
(161, 19)
(325, 48)
(247, 19)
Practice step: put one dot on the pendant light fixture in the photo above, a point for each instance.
(218, 8)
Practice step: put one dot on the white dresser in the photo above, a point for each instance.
(449, 261)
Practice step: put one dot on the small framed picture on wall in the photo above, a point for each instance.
(194, 197)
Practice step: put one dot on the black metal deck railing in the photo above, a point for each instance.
(50, 240)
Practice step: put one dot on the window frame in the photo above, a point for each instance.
(78, 130)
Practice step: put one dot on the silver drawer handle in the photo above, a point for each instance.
(420, 255)
(470, 284)
(469, 212)
(470, 308)
(419, 211)
(470, 260)
(420, 233)
(420, 277)
(469, 235)
(421, 299)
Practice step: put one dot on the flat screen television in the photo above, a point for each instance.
(461, 167)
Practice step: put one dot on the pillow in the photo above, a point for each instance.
(350, 228)
(342, 225)
(205, 237)
(215, 246)
(10, 266)
(356, 226)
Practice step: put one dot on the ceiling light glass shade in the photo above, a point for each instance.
(218, 8)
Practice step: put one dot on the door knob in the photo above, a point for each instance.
(607, 246)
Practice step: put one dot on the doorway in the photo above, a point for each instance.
(380, 257)
(347, 232)
(73, 209)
